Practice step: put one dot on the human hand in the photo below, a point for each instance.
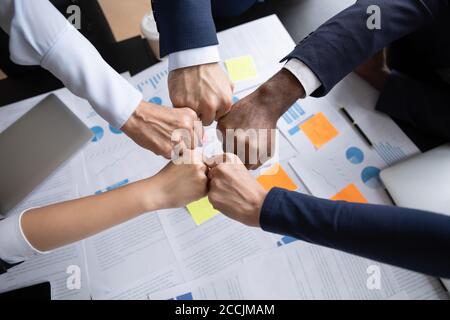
(248, 130)
(233, 191)
(206, 89)
(179, 184)
(152, 127)
(375, 70)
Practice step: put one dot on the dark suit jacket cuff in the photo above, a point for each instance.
(321, 91)
(271, 218)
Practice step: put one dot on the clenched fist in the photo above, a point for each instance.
(180, 183)
(205, 89)
(156, 128)
(234, 191)
(248, 130)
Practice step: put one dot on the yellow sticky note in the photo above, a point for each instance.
(350, 193)
(276, 177)
(201, 211)
(319, 130)
(241, 68)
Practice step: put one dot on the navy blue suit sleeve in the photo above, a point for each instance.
(407, 238)
(424, 105)
(344, 42)
(184, 24)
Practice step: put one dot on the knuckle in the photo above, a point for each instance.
(212, 198)
(200, 168)
(190, 102)
(191, 114)
(185, 122)
(166, 151)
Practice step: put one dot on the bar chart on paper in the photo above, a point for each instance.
(154, 80)
(293, 118)
(152, 83)
(390, 154)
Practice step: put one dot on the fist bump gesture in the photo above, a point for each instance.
(234, 191)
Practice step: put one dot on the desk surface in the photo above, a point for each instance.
(300, 18)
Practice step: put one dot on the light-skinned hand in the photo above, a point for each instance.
(155, 128)
(234, 191)
(179, 184)
(206, 89)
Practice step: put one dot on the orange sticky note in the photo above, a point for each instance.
(276, 177)
(319, 130)
(350, 193)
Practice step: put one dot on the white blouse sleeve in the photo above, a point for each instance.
(14, 246)
(40, 35)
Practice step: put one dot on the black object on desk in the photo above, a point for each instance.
(39, 292)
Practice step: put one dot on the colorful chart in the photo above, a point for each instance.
(114, 130)
(156, 100)
(371, 177)
(390, 154)
(355, 155)
(153, 80)
(286, 240)
(184, 297)
(98, 133)
(294, 113)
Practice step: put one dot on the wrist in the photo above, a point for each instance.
(281, 91)
(133, 122)
(257, 204)
(151, 198)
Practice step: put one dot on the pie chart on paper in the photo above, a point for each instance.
(354, 155)
(371, 177)
(98, 133)
(156, 100)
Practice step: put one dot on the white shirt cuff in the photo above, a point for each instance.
(193, 57)
(303, 73)
(14, 246)
(76, 62)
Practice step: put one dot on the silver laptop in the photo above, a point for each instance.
(422, 182)
(35, 146)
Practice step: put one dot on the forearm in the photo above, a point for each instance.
(280, 92)
(407, 238)
(64, 223)
(40, 35)
(344, 42)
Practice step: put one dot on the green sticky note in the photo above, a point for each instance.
(241, 68)
(201, 211)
